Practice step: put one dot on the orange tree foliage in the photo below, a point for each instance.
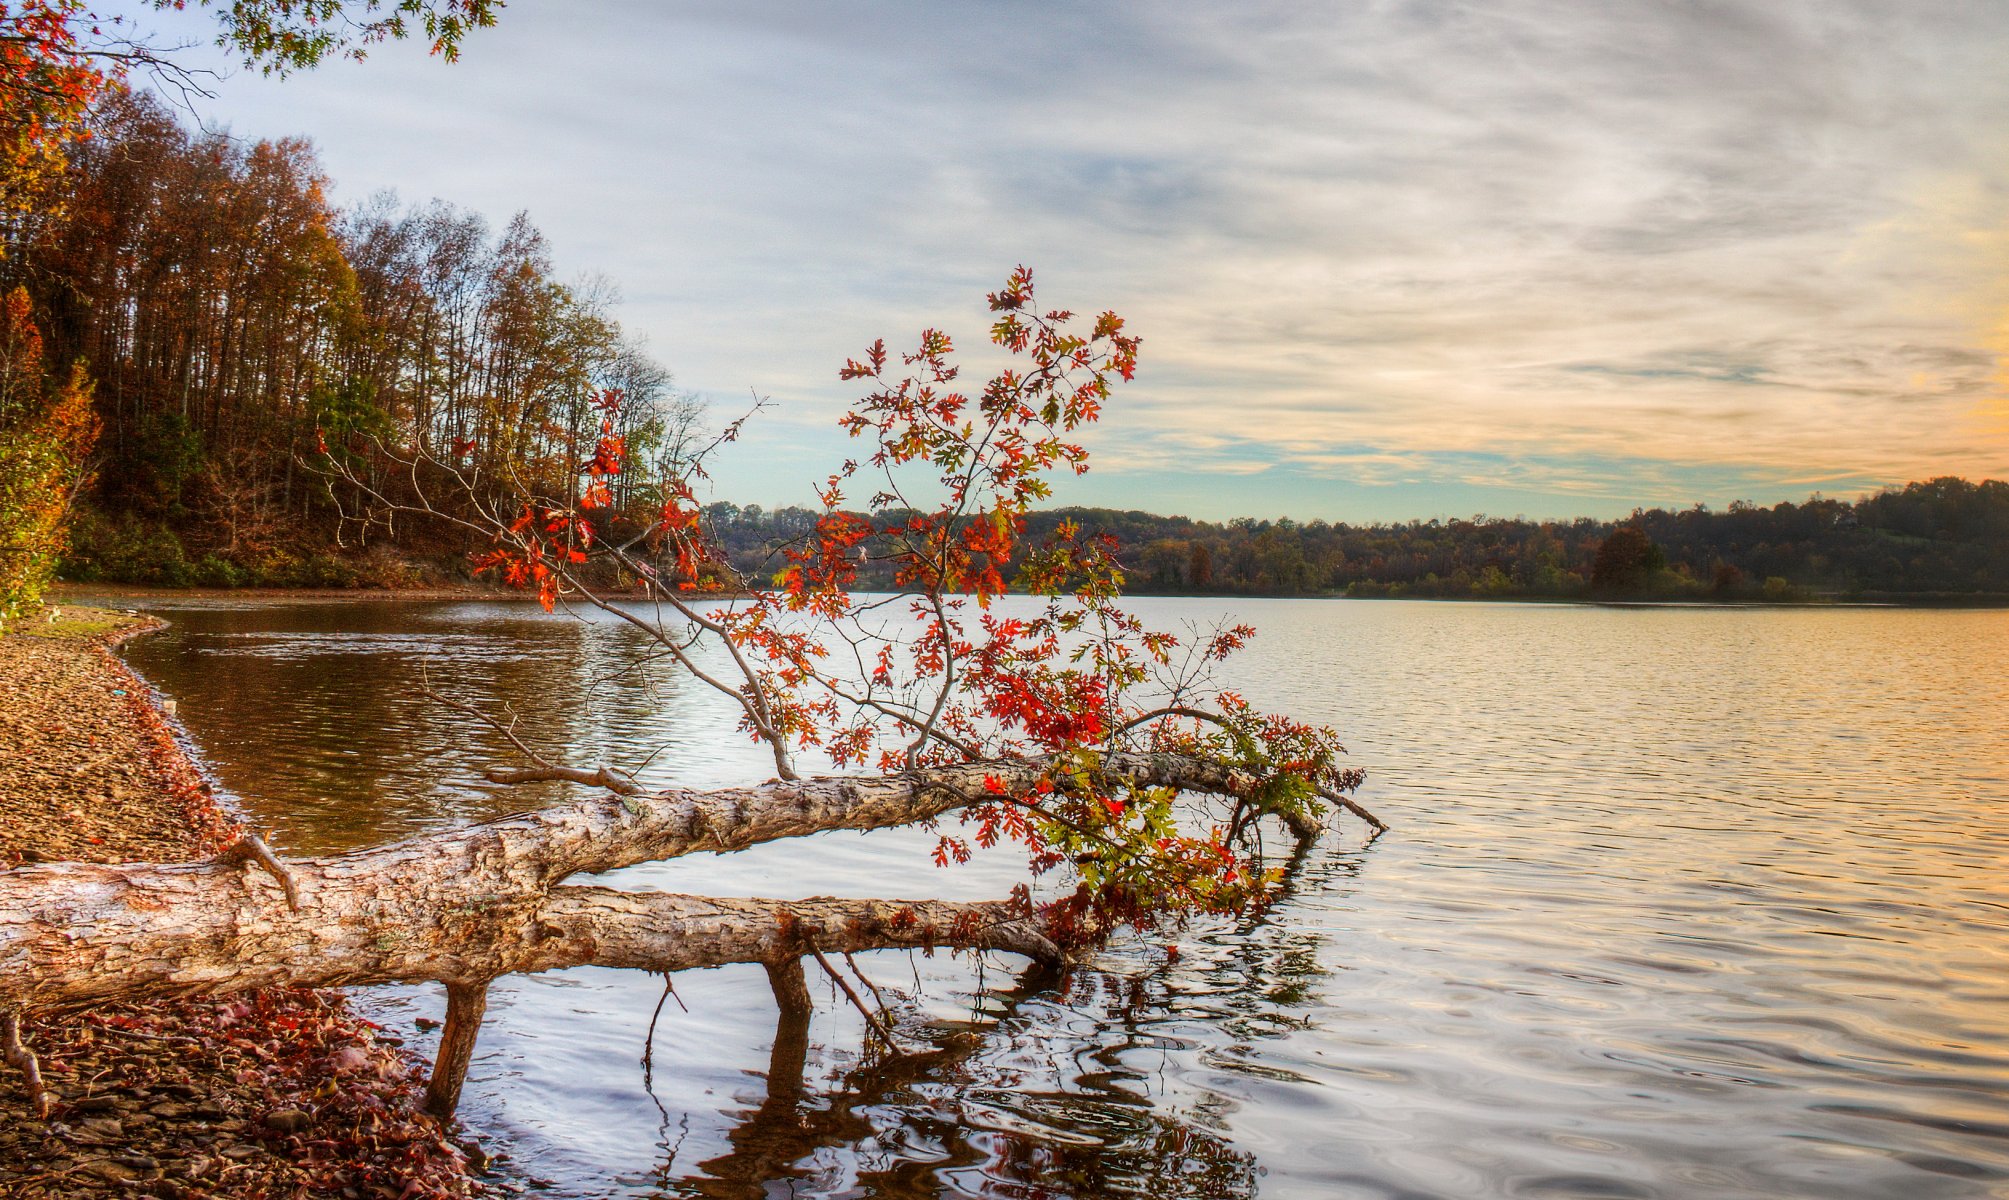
(48, 81)
(46, 431)
(58, 56)
(949, 668)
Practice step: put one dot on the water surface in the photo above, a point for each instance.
(1678, 902)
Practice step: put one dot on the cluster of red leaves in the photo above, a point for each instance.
(531, 548)
(253, 1055)
(534, 548)
(541, 544)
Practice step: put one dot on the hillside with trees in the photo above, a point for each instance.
(232, 320)
(1942, 539)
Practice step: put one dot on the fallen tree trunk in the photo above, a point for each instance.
(468, 906)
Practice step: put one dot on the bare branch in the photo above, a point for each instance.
(605, 777)
(17, 1055)
(250, 848)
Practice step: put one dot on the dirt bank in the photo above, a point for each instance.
(279, 1094)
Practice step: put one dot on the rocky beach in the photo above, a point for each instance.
(272, 1094)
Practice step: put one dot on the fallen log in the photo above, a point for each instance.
(468, 906)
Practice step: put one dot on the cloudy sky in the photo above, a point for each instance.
(1390, 258)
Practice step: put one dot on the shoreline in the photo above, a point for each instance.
(286, 1092)
(71, 593)
(68, 593)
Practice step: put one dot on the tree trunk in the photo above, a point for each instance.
(468, 906)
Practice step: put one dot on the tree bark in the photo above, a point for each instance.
(483, 902)
(468, 906)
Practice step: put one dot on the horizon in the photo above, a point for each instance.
(1416, 261)
(1446, 517)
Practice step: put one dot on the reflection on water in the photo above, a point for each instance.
(1678, 903)
(962, 1114)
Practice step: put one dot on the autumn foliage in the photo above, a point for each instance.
(46, 432)
(48, 81)
(990, 646)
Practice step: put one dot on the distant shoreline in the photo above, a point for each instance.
(73, 592)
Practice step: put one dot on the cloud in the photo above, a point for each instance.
(1416, 241)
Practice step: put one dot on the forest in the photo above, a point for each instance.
(233, 321)
(1944, 539)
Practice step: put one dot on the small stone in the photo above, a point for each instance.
(95, 1104)
(240, 1153)
(139, 1163)
(110, 1169)
(103, 1128)
(289, 1120)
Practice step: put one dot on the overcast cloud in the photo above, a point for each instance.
(1395, 258)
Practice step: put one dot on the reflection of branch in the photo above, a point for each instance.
(545, 771)
(792, 1133)
(873, 1020)
(769, 1142)
(427, 690)
(605, 777)
(1347, 804)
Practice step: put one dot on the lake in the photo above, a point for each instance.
(1677, 902)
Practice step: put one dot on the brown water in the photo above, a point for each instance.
(1678, 903)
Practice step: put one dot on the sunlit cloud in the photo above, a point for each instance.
(1565, 254)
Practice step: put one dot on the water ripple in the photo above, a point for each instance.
(1678, 903)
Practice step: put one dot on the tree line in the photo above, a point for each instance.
(1944, 538)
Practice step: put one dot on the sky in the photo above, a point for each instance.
(1390, 259)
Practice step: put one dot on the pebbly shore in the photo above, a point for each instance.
(283, 1093)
